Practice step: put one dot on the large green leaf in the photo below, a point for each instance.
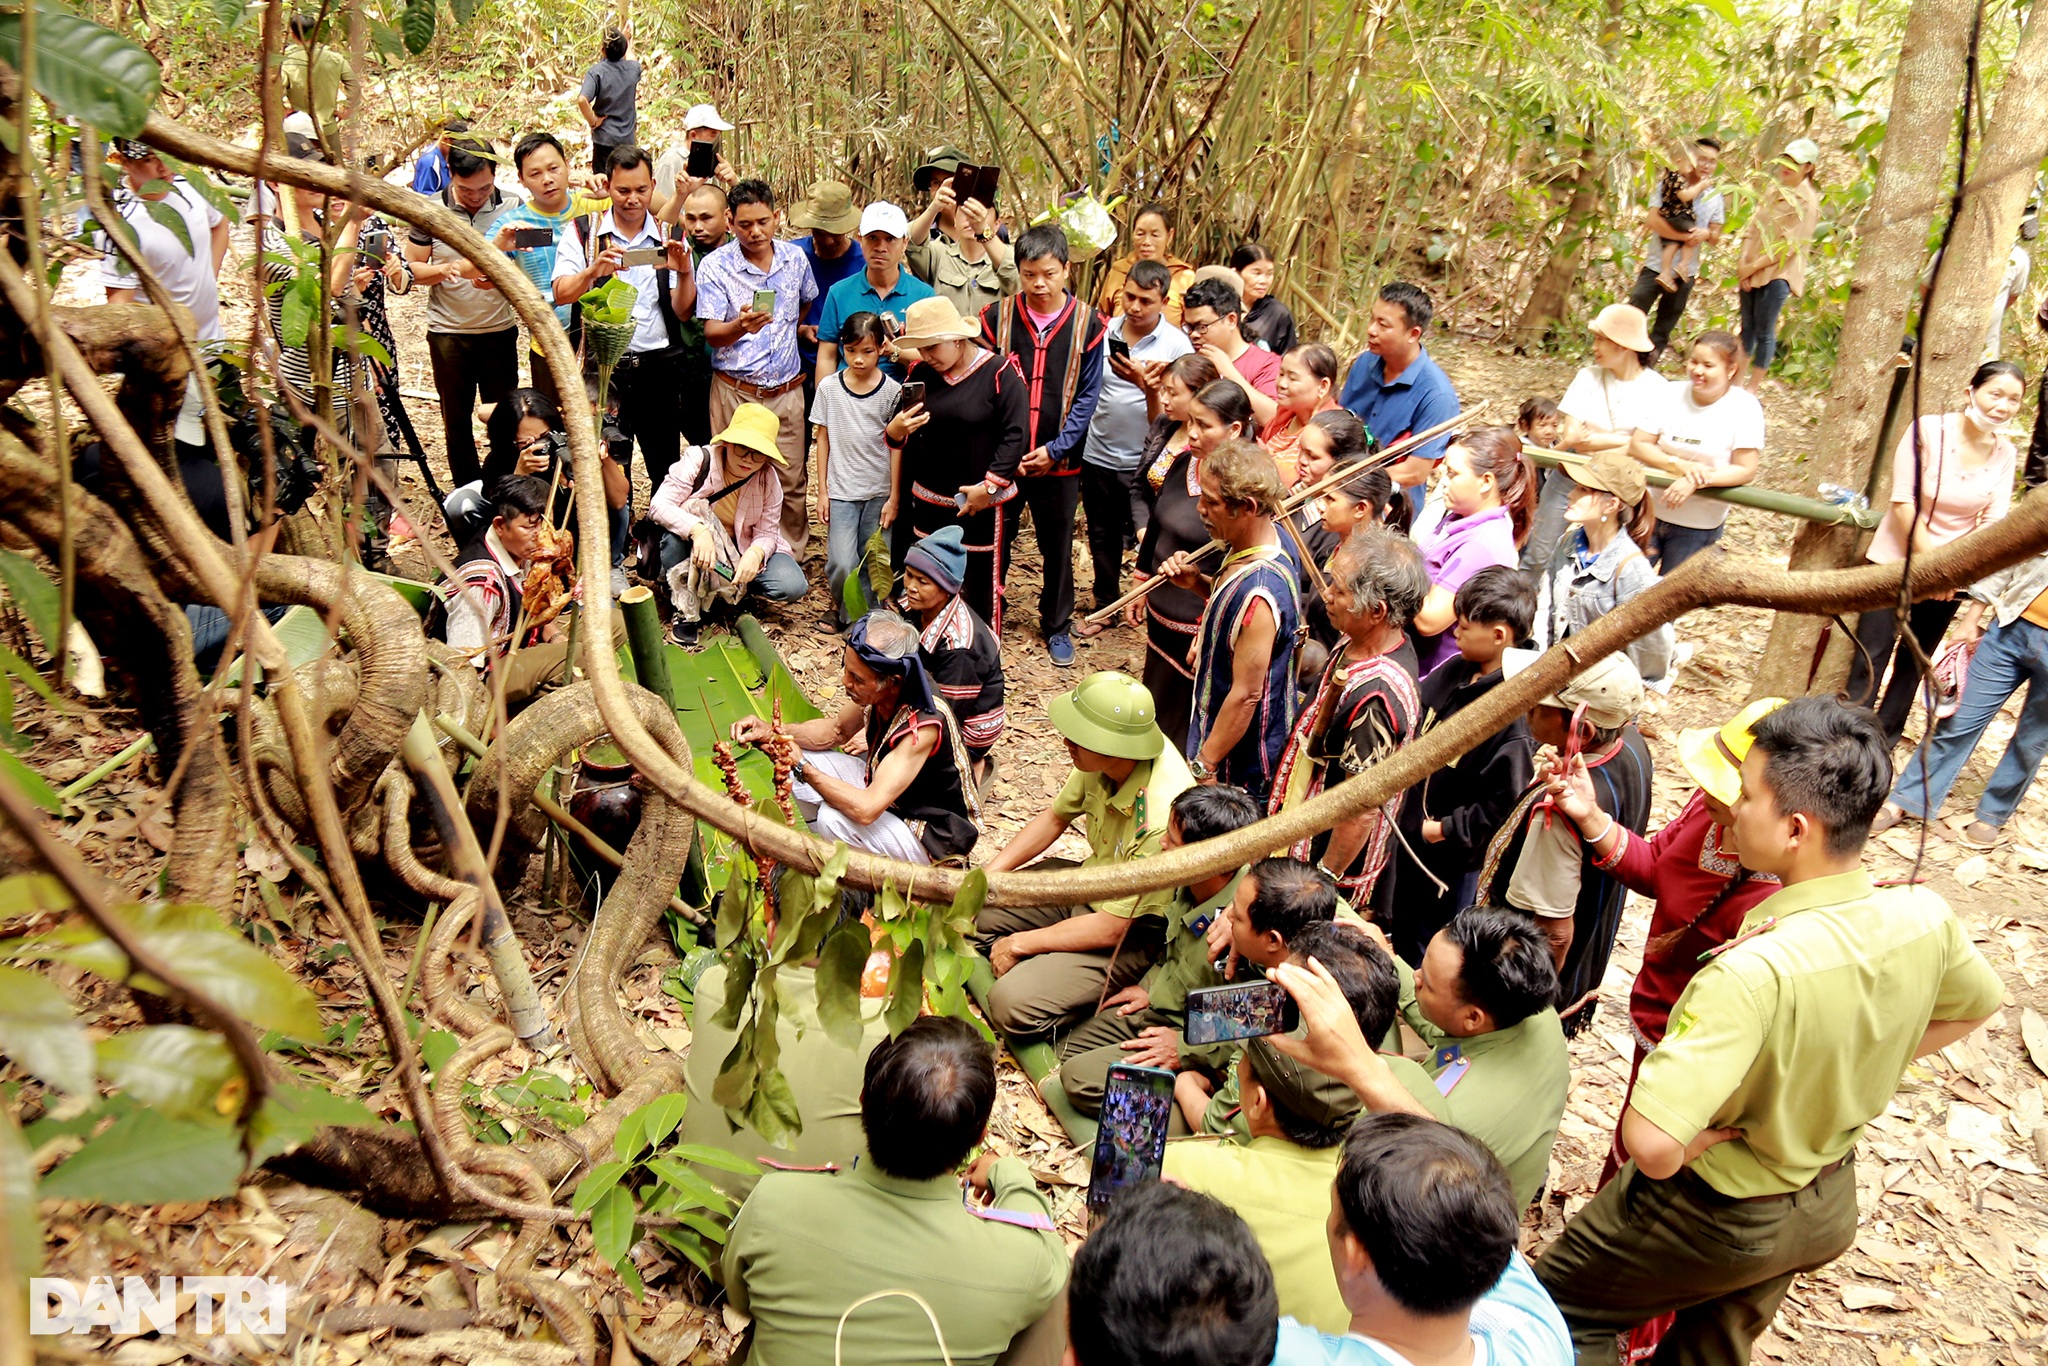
(18, 1198)
(294, 1114)
(228, 13)
(90, 73)
(838, 979)
(194, 944)
(295, 316)
(149, 1158)
(690, 1188)
(717, 1158)
(180, 1070)
(417, 24)
(690, 1246)
(611, 1224)
(170, 220)
(596, 1185)
(464, 10)
(33, 594)
(906, 989)
(659, 1118)
(773, 1113)
(38, 1030)
(29, 783)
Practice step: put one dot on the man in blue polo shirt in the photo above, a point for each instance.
(883, 287)
(1396, 389)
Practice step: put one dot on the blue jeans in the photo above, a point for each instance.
(1676, 544)
(2008, 657)
(854, 523)
(781, 579)
(1760, 309)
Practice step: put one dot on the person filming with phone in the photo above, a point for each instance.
(634, 247)
(953, 245)
(752, 294)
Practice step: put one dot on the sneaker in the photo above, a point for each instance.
(683, 633)
(618, 581)
(1061, 648)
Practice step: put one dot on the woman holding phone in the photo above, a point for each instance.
(957, 440)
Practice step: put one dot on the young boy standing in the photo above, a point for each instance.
(1449, 817)
(850, 413)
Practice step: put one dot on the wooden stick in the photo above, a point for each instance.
(1335, 478)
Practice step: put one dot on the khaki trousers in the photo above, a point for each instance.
(1644, 1248)
(726, 397)
(1051, 990)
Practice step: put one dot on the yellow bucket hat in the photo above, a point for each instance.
(756, 428)
(1714, 757)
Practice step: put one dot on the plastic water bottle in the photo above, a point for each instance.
(1843, 497)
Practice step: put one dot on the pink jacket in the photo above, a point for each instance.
(679, 504)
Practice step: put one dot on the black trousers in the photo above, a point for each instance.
(1054, 500)
(646, 387)
(695, 400)
(1877, 633)
(471, 368)
(1647, 294)
(2036, 472)
(1112, 518)
(601, 156)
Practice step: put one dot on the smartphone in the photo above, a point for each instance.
(984, 185)
(1120, 348)
(374, 243)
(526, 239)
(964, 181)
(764, 301)
(645, 256)
(1130, 1145)
(1245, 1010)
(910, 395)
(890, 327)
(703, 160)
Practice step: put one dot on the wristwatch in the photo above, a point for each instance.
(1200, 769)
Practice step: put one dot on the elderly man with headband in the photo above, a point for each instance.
(905, 799)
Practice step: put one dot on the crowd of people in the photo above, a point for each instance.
(914, 386)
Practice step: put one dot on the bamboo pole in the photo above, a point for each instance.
(1744, 495)
(1335, 478)
(644, 638)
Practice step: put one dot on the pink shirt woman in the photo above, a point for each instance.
(1965, 482)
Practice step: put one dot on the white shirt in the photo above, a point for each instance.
(188, 275)
(650, 331)
(1606, 404)
(1708, 436)
(1116, 434)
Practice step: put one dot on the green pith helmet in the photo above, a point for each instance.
(943, 160)
(1110, 713)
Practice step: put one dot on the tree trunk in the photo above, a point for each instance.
(1553, 291)
(2002, 177)
(1908, 189)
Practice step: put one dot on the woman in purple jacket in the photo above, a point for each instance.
(1489, 499)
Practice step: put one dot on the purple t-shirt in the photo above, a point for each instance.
(1453, 550)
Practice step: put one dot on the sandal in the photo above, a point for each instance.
(1088, 630)
(1888, 816)
(1979, 835)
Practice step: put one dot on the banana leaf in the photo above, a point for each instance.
(303, 633)
(782, 685)
(420, 595)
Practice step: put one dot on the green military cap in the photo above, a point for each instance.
(941, 160)
(1110, 713)
(1316, 1096)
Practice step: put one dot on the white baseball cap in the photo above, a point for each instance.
(882, 216)
(704, 116)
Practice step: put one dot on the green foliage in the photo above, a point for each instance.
(416, 23)
(610, 302)
(150, 1158)
(88, 73)
(184, 1072)
(18, 1197)
(653, 1177)
(33, 595)
(38, 1031)
(228, 13)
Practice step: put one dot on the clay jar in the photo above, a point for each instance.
(605, 799)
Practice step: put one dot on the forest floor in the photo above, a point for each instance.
(1951, 1259)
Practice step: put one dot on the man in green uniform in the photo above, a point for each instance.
(1279, 1179)
(824, 1077)
(1142, 1024)
(1481, 1004)
(808, 1247)
(1051, 962)
(1744, 1120)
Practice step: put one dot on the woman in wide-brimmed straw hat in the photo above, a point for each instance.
(961, 443)
(1604, 404)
